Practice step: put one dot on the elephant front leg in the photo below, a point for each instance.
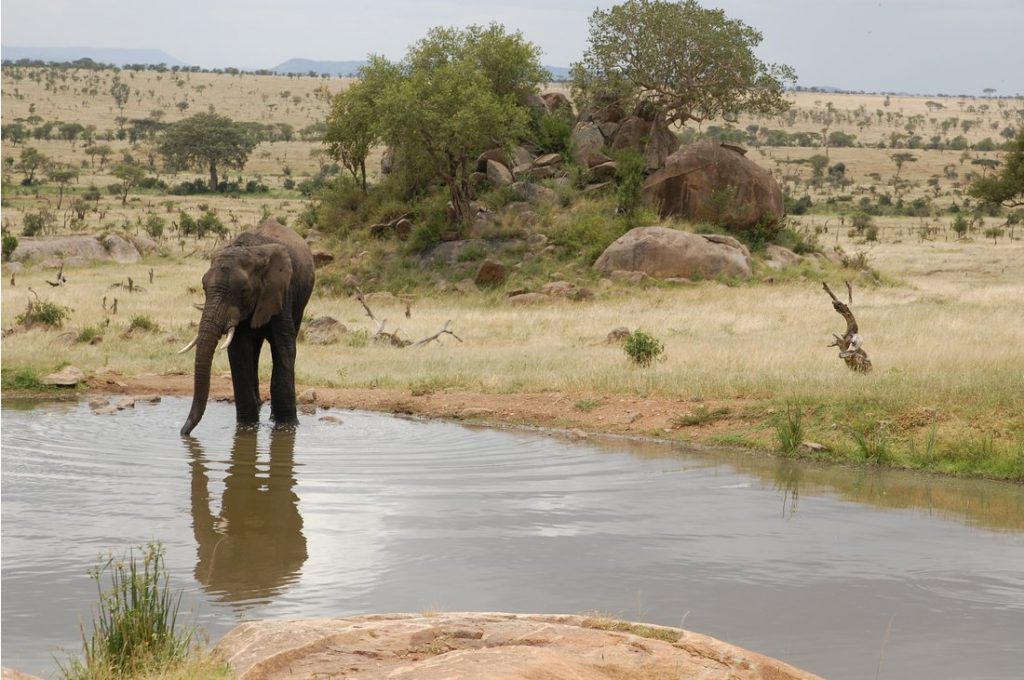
(243, 354)
(282, 380)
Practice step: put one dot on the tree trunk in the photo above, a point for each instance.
(213, 176)
(460, 200)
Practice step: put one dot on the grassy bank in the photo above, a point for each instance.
(743, 364)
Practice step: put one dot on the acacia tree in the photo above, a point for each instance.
(455, 95)
(1006, 187)
(130, 174)
(61, 174)
(207, 141)
(685, 61)
(353, 127)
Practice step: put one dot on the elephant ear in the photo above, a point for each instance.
(276, 276)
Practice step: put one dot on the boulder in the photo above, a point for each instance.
(665, 253)
(496, 155)
(321, 258)
(654, 141)
(603, 172)
(144, 244)
(496, 646)
(778, 257)
(52, 250)
(491, 273)
(711, 182)
(587, 142)
(120, 250)
(529, 299)
(535, 193)
(547, 159)
(521, 156)
(69, 376)
(498, 174)
(556, 102)
(323, 330)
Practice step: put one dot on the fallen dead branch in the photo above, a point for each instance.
(849, 343)
(392, 338)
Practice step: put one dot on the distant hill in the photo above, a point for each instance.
(351, 68)
(303, 66)
(101, 55)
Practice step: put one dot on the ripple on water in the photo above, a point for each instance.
(395, 514)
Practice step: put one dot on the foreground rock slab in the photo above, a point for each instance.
(488, 646)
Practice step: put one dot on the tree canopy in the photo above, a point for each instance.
(688, 62)
(1006, 187)
(207, 142)
(456, 94)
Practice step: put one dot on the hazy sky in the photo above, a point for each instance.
(921, 46)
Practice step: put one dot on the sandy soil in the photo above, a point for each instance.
(616, 414)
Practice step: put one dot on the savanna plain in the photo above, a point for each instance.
(744, 363)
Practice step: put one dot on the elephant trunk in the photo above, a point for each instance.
(206, 342)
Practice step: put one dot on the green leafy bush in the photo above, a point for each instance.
(143, 323)
(155, 226)
(44, 313)
(10, 244)
(642, 349)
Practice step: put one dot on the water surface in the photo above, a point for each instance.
(847, 573)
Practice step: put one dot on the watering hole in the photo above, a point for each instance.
(846, 573)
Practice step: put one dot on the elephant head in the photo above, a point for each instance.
(247, 284)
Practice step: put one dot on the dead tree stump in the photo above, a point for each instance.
(849, 344)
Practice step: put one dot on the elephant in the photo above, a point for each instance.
(256, 289)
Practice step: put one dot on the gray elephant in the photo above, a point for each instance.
(256, 290)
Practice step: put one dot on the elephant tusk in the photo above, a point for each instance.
(190, 345)
(198, 306)
(231, 336)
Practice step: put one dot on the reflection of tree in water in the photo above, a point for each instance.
(255, 546)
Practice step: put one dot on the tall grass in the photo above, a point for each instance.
(135, 630)
(789, 429)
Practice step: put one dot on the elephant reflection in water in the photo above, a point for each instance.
(254, 546)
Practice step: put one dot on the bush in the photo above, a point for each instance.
(21, 379)
(551, 132)
(209, 222)
(36, 223)
(642, 349)
(10, 244)
(143, 323)
(155, 226)
(44, 313)
(789, 429)
(629, 179)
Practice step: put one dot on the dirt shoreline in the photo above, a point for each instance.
(619, 415)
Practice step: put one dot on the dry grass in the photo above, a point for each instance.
(946, 341)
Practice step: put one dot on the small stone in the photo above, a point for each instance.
(107, 410)
(307, 409)
(475, 412)
(307, 397)
(813, 447)
(98, 403)
(618, 334)
(122, 404)
(149, 398)
(334, 420)
(69, 376)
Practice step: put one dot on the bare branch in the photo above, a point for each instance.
(444, 331)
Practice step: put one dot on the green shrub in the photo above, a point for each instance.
(586, 235)
(872, 444)
(209, 222)
(21, 379)
(143, 323)
(700, 415)
(88, 334)
(789, 429)
(135, 630)
(44, 313)
(551, 132)
(642, 349)
(154, 226)
(630, 174)
(10, 244)
(38, 222)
